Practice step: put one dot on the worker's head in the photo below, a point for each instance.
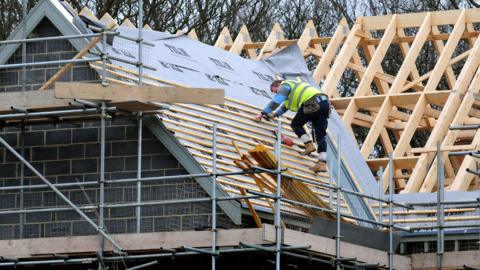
(275, 85)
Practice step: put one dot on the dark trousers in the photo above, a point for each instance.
(319, 121)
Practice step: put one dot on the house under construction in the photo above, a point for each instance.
(127, 148)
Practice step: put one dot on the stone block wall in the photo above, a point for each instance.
(68, 153)
(43, 51)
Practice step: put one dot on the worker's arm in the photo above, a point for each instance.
(278, 99)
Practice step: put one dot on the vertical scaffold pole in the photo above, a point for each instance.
(214, 196)
(440, 207)
(101, 201)
(390, 211)
(380, 194)
(339, 189)
(278, 196)
(22, 132)
(140, 119)
(140, 41)
(24, 44)
(330, 183)
(22, 181)
(139, 172)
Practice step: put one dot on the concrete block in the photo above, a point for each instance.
(125, 212)
(165, 161)
(67, 216)
(39, 217)
(125, 148)
(59, 136)
(36, 76)
(153, 147)
(8, 78)
(11, 138)
(34, 138)
(115, 133)
(6, 232)
(71, 151)
(178, 209)
(85, 135)
(93, 149)
(84, 73)
(7, 201)
(9, 219)
(84, 166)
(29, 231)
(114, 195)
(131, 163)
(171, 223)
(116, 225)
(31, 199)
(82, 228)
(38, 166)
(57, 167)
(116, 164)
(8, 170)
(44, 153)
(58, 229)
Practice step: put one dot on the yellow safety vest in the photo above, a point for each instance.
(299, 93)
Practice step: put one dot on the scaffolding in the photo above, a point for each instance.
(102, 110)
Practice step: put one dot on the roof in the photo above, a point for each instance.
(405, 110)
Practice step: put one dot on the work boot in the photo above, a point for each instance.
(309, 148)
(320, 166)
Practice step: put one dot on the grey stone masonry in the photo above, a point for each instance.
(42, 51)
(61, 158)
(66, 153)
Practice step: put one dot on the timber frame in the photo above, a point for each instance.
(397, 106)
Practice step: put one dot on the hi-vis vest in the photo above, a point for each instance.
(299, 93)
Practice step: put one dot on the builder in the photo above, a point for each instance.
(311, 105)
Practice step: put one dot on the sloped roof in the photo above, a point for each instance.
(309, 44)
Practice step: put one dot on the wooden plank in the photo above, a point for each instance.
(145, 93)
(323, 67)
(32, 100)
(223, 39)
(373, 66)
(399, 162)
(308, 33)
(402, 75)
(450, 260)
(349, 47)
(445, 119)
(271, 42)
(450, 148)
(238, 45)
(27, 248)
(439, 48)
(252, 210)
(415, 19)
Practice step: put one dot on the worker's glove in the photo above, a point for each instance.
(258, 118)
(272, 116)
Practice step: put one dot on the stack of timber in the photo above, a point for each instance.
(293, 190)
